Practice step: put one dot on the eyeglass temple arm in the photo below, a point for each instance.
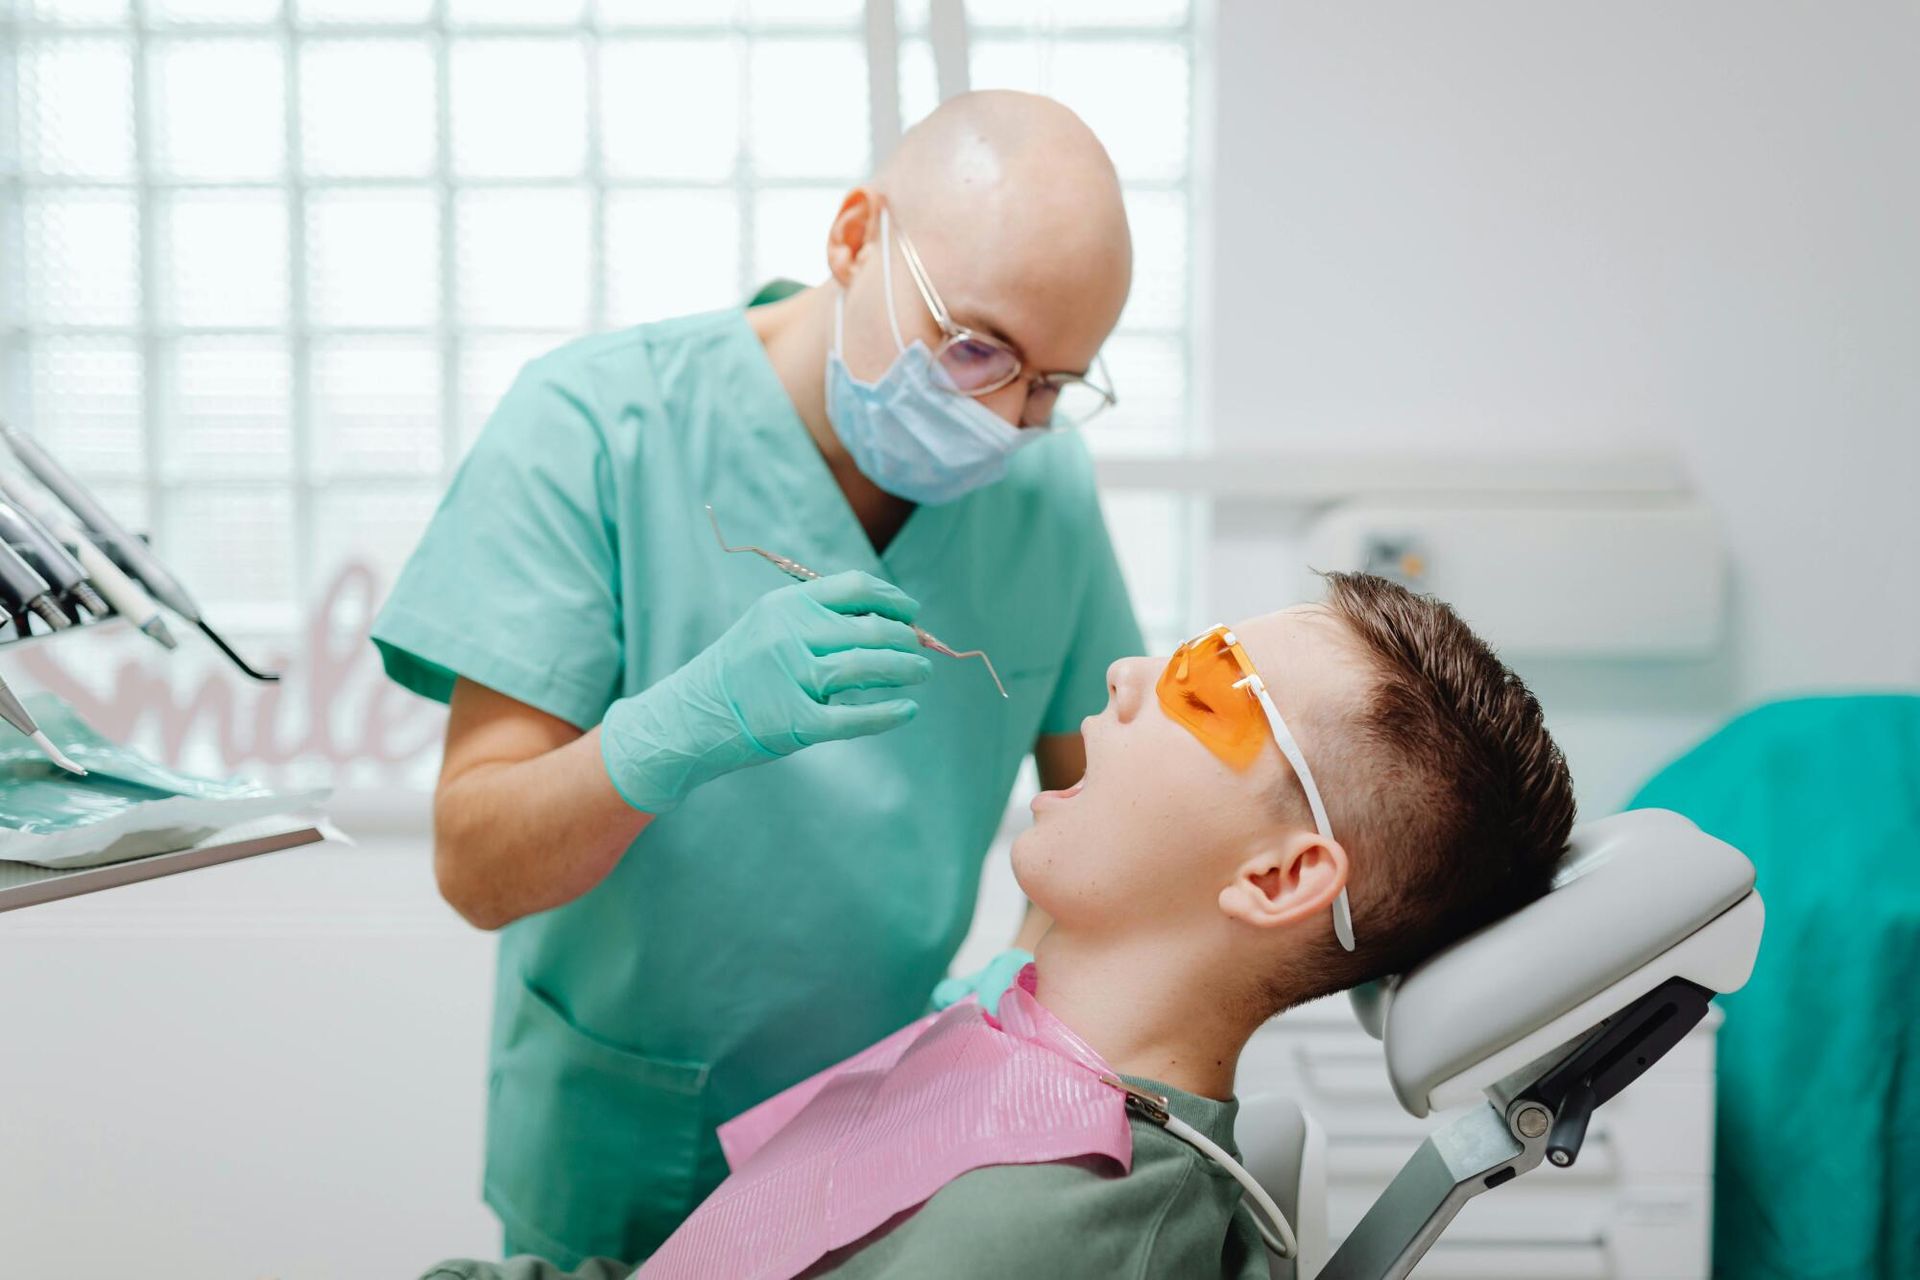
(924, 283)
(1290, 748)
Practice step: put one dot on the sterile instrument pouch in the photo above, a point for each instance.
(126, 807)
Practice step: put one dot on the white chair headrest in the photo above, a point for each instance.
(1641, 897)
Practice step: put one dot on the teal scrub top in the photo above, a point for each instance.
(787, 915)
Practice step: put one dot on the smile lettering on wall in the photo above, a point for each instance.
(333, 702)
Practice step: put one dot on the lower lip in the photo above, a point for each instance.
(1057, 797)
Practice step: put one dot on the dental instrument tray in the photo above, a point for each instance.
(126, 810)
(25, 885)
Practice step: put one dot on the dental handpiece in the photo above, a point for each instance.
(49, 559)
(15, 713)
(122, 593)
(24, 591)
(126, 550)
(794, 569)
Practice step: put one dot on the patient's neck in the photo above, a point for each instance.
(1148, 1013)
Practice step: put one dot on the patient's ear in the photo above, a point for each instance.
(1287, 883)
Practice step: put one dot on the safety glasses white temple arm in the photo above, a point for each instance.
(1290, 748)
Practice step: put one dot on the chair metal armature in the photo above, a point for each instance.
(1543, 1017)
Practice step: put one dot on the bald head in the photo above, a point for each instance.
(1015, 209)
(997, 152)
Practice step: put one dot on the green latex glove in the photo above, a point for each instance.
(989, 982)
(768, 687)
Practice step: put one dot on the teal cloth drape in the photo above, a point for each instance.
(1818, 1148)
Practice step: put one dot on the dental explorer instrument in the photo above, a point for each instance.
(49, 559)
(126, 596)
(24, 591)
(16, 714)
(130, 552)
(794, 569)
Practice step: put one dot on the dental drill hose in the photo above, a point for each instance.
(49, 559)
(127, 550)
(125, 596)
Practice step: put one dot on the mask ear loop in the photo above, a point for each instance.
(1290, 748)
(886, 280)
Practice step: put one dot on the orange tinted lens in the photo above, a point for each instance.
(1197, 691)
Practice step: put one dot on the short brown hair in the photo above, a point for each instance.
(1447, 792)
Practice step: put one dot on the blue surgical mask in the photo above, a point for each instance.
(907, 433)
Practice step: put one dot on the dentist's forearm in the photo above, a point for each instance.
(512, 838)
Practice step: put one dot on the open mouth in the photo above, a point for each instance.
(1046, 798)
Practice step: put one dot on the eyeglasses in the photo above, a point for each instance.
(979, 364)
(1211, 689)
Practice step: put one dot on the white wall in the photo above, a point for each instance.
(1492, 226)
(271, 1068)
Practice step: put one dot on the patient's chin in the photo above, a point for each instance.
(1029, 858)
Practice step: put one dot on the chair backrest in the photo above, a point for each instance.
(1286, 1152)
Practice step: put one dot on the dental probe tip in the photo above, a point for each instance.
(55, 754)
(156, 628)
(930, 641)
(995, 674)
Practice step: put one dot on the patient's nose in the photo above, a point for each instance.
(1129, 681)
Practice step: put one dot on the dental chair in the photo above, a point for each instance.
(1531, 1024)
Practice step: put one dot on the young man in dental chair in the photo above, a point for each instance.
(1312, 800)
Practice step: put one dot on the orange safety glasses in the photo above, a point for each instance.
(1211, 689)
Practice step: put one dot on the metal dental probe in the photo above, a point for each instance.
(15, 713)
(24, 591)
(126, 596)
(128, 551)
(794, 569)
(49, 559)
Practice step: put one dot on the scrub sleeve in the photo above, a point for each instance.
(514, 585)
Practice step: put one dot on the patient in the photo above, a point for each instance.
(1194, 894)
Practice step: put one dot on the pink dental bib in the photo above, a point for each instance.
(834, 1157)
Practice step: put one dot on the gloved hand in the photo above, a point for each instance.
(989, 982)
(766, 688)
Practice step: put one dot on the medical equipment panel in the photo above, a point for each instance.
(1574, 578)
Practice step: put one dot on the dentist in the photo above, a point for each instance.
(731, 827)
